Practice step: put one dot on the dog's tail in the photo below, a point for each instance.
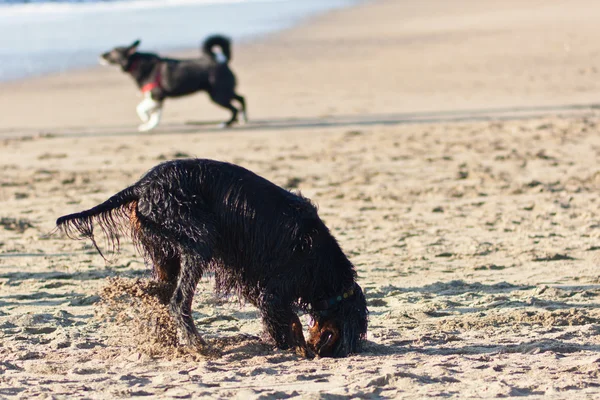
(107, 215)
(217, 41)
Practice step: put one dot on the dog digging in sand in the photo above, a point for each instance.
(263, 243)
(159, 77)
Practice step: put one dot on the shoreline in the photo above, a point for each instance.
(50, 48)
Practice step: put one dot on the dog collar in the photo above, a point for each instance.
(322, 307)
(148, 86)
(132, 66)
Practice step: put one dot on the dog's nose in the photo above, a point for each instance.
(103, 59)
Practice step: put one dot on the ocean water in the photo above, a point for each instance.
(41, 37)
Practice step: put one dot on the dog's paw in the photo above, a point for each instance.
(194, 344)
(212, 352)
(304, 352)
(145, 127)
(223, 125)
(201, 351)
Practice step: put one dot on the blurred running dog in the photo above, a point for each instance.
(262, 242)
(159, 78)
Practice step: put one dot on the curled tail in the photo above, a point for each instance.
(107, 215)
(217, 41)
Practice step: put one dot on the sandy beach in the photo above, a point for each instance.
(452, 149)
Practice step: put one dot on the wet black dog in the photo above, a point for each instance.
(262, 242)
(159, 77)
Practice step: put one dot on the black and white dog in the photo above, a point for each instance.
(159, 77)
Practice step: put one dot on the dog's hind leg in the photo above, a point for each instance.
(225, 102)
(233, 118)
(165, 258)
(166, 264)
(242, 102)
(193, 237)
(181, 303)
(178, 235)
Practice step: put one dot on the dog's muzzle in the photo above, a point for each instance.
(103, 61)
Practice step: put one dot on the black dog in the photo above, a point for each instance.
(159, 77)
(262, 242)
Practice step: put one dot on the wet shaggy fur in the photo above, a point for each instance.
(262, 242)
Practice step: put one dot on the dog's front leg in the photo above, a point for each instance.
(152, 122)
(143, 109)
(297, 337)
(282, 324)
(149, 111)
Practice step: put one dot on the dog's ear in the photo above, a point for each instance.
(133, 48)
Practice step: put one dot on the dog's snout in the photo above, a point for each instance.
(104, 59)
(325, 343)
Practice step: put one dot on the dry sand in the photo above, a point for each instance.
(477, 241)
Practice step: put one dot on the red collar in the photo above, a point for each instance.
(148, 86)
(132, 66)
